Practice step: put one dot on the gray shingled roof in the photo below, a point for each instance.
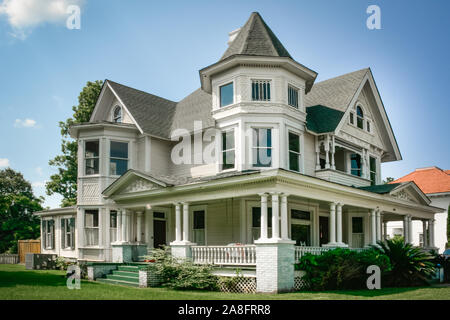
(337, 92)
(255, 38)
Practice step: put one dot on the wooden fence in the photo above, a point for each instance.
(28, 246)
(6, 258)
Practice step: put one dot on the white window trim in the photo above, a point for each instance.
(220, 151)
(85, 158)
(166, 219)
(314, 222)
(67, 218)
(191, 221)
(300, 154)
(219, 95)
(109, 155)
(46, 220)
(298, 96)
(274, 149)
(113, 118)
(270, 81)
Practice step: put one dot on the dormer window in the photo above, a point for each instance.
(359, 117)
(261, 90)
(226, 94)
(117, 115)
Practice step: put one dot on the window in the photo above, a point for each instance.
(118, 163)
(91, 157)
(357, 225)
(355, 160)
(117, 115)
(113, 226)
(359, 117)
(261, 90)
(68, 233)
(373, 170)
(199, 227)
(226, 95)
(352, 118)
(301, 227)
(256, 222)
(357, 232)
(293, 97)
(294, 152)
(368, 125)
(48, 232)
(159, 215)
(228, 150)
(262, 147)
(91, 227)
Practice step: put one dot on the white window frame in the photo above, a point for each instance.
(234, 129)
(252, 164)
(114, 118)
(49, 235)
(261, 82)
(191, 221)
(92, 227)
(89, 158)
(313, 209)
(128, 159)
(65, 233)
(297, 90)
(219, 93)
(167, 219)
(299, 154)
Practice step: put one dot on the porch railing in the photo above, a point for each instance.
(224, 255)
(300, 250)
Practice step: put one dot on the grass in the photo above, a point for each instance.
(16, 283)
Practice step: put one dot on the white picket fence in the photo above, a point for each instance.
(9, 258)
(225, 255)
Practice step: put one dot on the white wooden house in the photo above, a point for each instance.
(295, 164)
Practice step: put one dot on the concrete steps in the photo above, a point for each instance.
(124, 275)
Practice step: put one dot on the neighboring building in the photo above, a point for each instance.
(296, 160)
(435, 183)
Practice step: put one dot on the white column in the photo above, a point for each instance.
(80, 228)
(119, 226)
(431, 231)
(263, 216)
(327, 152)
(129, 226)
(333, 150)
(424, 232)
(139, 227)
(108, 229)
(124, 226)
(317, 153)
(185, 222)
(332, 223)
(101, 226)
(275, 216)
(385, 235)
(177, 222)
(373, 227)
(405, 229)
(284, 218)
(410, 230)
(378, 215)
(339, 223)
(149, 227)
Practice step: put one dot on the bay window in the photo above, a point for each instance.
(262, 147)
(228, 150)
(226, 94)
(118, 158)
(294, 152)
(293, 97)
(91, 157)
(261, 90)
(91, 227)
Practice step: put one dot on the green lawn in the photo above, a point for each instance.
(18, 283)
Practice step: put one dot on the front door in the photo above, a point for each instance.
(159, 233)
(324, 230)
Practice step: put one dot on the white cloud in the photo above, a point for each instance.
(23, 15)
(4, 163)
(38, 184)
(25, 123)
(39, 171)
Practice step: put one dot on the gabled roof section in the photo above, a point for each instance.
(381, 188)
(153, 114)
(336, 93)
(321, 119)
(408, 191)
(430, 180)
(256, 39)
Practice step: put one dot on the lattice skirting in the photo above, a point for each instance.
(300, 284)
(237, 284)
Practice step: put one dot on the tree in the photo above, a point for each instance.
(388, 180)
(17, 204)
(65, 181)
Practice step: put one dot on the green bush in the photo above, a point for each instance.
(181, 274)
(340, 268)
(411, 266)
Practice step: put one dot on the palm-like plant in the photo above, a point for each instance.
(410, 265)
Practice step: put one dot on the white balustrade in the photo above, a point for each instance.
(224, 255)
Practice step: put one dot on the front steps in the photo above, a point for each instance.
(125, 275)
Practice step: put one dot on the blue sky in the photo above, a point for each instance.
(159, 46)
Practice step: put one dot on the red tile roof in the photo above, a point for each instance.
(429, 180)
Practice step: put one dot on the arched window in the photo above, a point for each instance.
(117, 115)
(359, 117)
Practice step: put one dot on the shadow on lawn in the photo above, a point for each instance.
(31, 278)
(369, 293)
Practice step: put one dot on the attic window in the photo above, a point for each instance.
(261, 90)
(117, 115)
(359, 117)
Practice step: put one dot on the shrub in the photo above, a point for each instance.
(411, 266)
(180, 273)
(340, 268)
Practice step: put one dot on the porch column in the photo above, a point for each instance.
(119, 226)
(327, 152)
(263, 216)
(339, 223)
(317, 153)
(185, 222)
(275, 217)
(410, 230)
(129, 227)
(284, 217)
(80, 232)
(177, 222)
(424, 232)
(373, 225)
(332, 223)
(139, 227)
(378, 214)
(385, 235)
(431, 231)
(333, 150)
(149, 227)
(124, 226)
(405, 229)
